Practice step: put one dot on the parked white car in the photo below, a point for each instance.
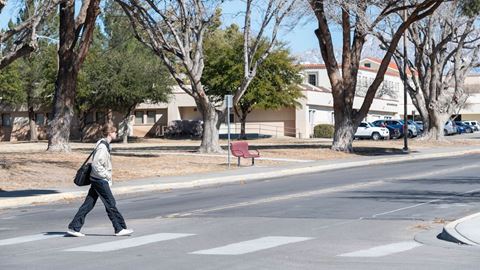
(367, 130)
(474, 124)
(450, 128)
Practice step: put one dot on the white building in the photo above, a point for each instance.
(150, 120)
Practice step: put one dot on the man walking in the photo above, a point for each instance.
(101, 180)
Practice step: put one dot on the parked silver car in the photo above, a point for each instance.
(474, 124)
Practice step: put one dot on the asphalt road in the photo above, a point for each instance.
(379, 217)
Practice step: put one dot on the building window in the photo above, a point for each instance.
(138, 117)
(89, 118)
(100, 117)
(312, 79)
(151, 117)
(40, 119)
(368, 65)
(6, 120)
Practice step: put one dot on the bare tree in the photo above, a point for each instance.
(446, 46)
(272, 16)
(22, 38)
(2, 4)
(175, 31)
(357, 19)
(75, 38)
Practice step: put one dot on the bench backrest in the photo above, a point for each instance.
(239, 146)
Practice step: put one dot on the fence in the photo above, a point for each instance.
(274, 130)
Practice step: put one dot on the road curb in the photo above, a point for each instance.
(450, 232)
(24, 201)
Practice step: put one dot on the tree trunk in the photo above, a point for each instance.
(65, 90)
(32, 124)
(436, 125)
(243, 123)
(211, 122)
(75, 38)
(82, 124)
(125, 132)
(109, 119)
(343, 135)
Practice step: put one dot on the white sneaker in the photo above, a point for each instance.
(124, 232)
(74, 233)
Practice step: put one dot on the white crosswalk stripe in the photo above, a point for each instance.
(383, 250)
(27, 238)
(131, 242)
(252, 245)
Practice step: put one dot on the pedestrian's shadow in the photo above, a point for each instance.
(26, 193)
(98, 234)
(65, 234)
(57, 233)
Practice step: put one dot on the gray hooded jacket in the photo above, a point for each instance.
(102, 162)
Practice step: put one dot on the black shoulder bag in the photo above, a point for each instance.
(82, 178)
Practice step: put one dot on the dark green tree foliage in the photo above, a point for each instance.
(120, 72)
(11, 92)
(274, 87)
(30, 80)
(470, 8)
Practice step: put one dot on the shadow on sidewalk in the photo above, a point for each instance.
(380, 151)
(26, 193)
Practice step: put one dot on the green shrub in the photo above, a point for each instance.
(323, 131)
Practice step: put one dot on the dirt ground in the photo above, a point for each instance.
(29, 166)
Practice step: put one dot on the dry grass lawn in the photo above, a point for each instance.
(28, 166)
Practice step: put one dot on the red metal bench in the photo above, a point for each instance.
(240, 149)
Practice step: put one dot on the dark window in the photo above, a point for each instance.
(89, 118)
(40, 119)
(363, 125)
(100, 117)
(232, 118)
(6, 120)
(367, 65)
(151, 117)
(312, 79)
(138, 117)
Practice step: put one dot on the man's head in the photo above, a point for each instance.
(110, 132)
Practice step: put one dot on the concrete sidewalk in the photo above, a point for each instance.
(242, 175)
(463, 231)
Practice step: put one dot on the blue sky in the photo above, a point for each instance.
(300, 39)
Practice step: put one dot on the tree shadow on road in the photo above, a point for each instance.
(417, 196)
(26, 193)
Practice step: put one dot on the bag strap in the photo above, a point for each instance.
(95, 149)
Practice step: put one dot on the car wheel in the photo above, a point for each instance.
(410, 134)
(375, 136)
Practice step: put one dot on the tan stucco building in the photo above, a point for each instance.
(150, 120)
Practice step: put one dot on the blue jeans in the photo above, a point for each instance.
(98, 188)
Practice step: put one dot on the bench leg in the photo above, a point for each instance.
(238, 164)
(253, 161)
